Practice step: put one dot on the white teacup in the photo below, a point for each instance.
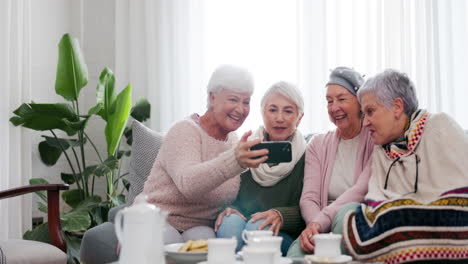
(327, 245)
(250, 234)
(273, 243)
(222, 250)
(258, 255)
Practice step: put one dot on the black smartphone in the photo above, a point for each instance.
(278, 151)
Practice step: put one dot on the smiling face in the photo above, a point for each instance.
(343, 110)
(280, 117)
(230, 109)
(385, 125)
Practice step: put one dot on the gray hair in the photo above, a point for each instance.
(230, 77)
(288, 90)
(389, 85)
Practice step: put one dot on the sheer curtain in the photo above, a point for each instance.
(15, 157)
(168, 49)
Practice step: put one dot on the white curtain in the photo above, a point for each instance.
(168, 49)
(15, 157)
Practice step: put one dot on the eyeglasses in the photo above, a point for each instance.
(417, 160)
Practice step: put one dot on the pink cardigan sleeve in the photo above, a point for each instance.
(311, 192)
(183, 162)
(354, 194)
(319, 164)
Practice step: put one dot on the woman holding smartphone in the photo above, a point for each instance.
(269, 195)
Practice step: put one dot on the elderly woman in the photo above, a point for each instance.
(418, 161)
(269, 195)
(337, 165)
(197, 169)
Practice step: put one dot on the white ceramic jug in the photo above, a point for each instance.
(140, 233)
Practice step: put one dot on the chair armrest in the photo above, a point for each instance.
(53, 212)
(113, 211)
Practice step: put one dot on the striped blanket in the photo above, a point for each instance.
(405, 231)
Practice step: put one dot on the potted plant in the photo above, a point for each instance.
(88, 209)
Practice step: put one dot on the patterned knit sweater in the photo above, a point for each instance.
(194, 175)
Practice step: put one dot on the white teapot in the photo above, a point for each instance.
(141, 234)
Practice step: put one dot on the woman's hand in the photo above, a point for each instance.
(272, 217)
(227, 212)
(245, 157)
(306, 237)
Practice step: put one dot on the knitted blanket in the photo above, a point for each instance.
(406, 231)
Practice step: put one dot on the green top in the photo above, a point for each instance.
(283, 197)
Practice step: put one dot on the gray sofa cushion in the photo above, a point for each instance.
(19, 251)
(145, 148)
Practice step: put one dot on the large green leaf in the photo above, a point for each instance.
(141, 110)
(105, 93)
(72, 72)
(49, 155)
(118, 119)
(46, 117)
(107, 166)
(64, 142)
(75, 221)
(73, 197)
(40, 233)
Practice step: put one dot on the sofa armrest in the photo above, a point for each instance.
(53, 213)
(113, 211)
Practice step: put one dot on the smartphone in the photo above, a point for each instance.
(278, 151)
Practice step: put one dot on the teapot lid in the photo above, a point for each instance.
(141, 205)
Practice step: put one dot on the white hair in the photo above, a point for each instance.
(288, 90)
(389, 85)
(230, 77)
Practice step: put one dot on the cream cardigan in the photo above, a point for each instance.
(443, 164)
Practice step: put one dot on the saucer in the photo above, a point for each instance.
(283, 260)
(320, 260)
(206, 262)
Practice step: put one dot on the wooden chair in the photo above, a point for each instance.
(14, 249)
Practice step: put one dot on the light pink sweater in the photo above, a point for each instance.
(320, 157)
(194, 175)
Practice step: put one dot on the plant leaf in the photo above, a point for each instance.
(41, 194)
(118, 119)
(95, 109)
(72, 72)
(44, 117)
(42, 207)
(107, 166)
(105, 93)
(126, 184)
(129, 135)
(65, 142)
(67, 178)
(141, 111)
(40, 233)
(75, 221)
(73, 197)
(49, 155)
(73, 248)
(117, 199)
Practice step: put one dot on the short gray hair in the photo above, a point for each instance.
(230, 77)
(288, 90)
(389, 85)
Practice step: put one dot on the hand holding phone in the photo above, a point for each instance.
(278, 151)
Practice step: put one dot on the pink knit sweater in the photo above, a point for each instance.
(320, 157)
(194, 175)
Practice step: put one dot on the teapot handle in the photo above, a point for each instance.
(118, 226)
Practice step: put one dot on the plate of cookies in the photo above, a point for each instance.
(192, 251)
